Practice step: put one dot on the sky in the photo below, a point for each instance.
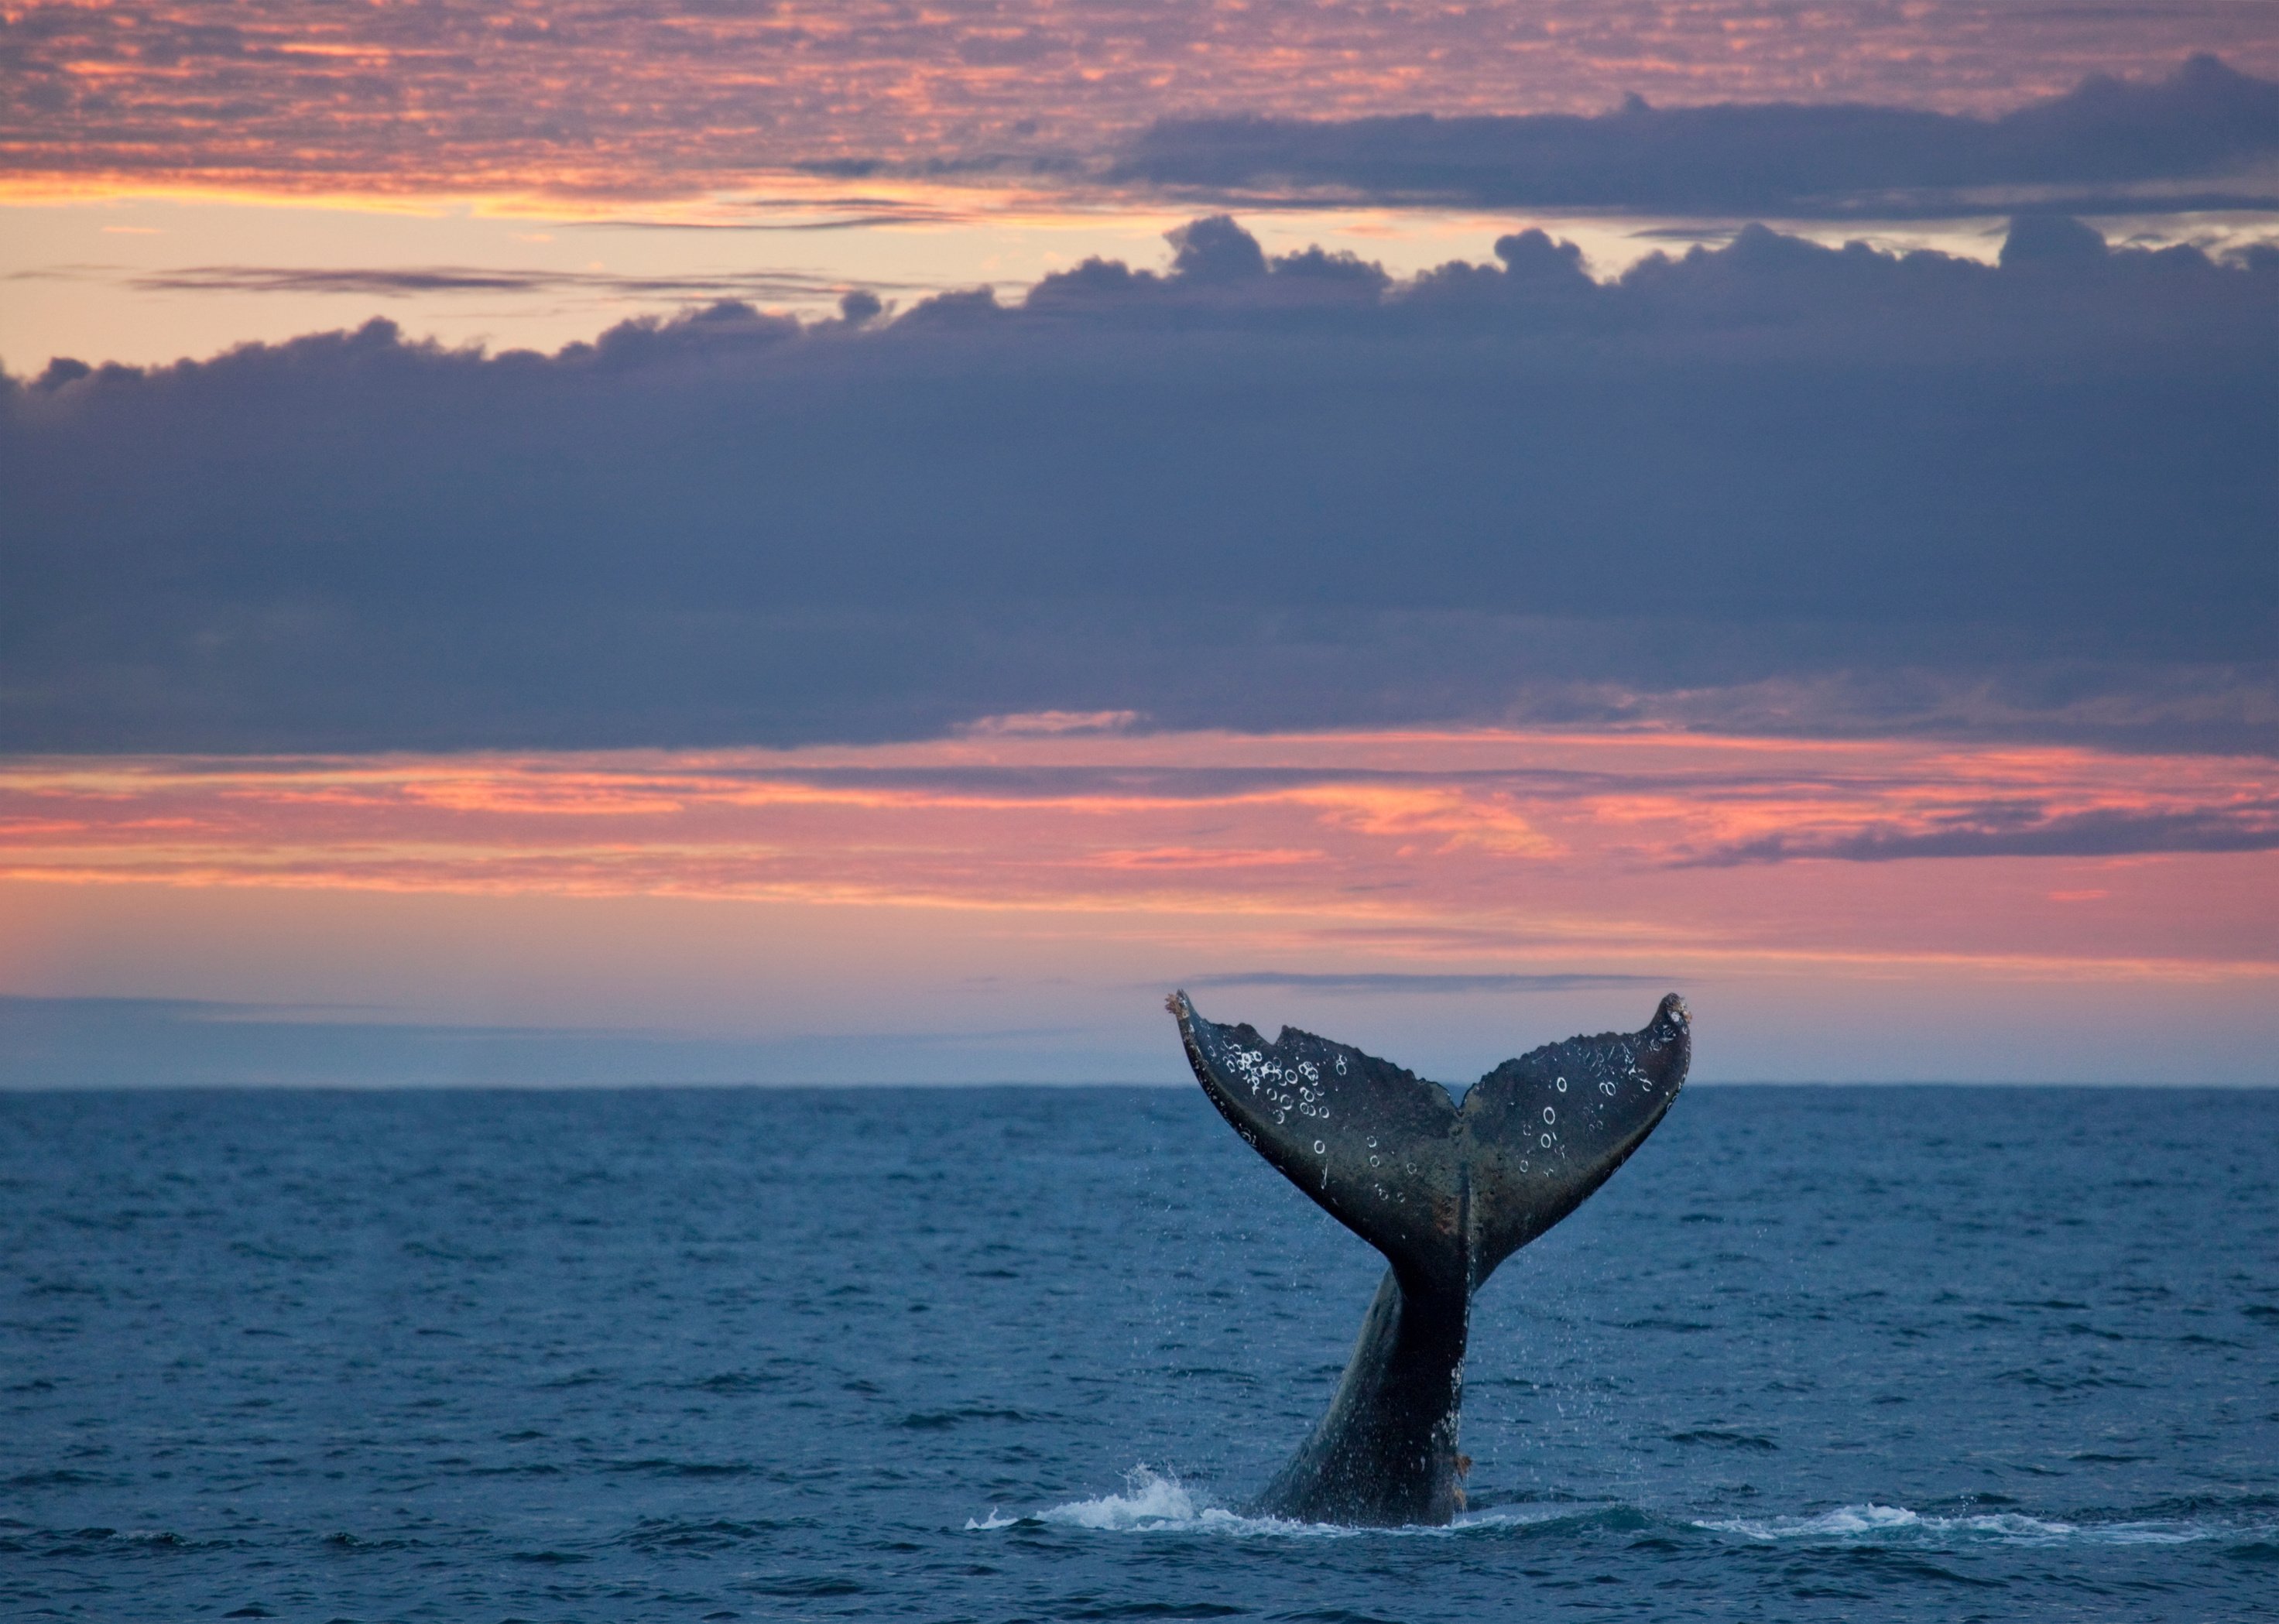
(583, 544)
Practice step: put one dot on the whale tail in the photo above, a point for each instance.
(1444, 1191)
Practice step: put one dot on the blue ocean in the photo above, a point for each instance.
(1935, 1353)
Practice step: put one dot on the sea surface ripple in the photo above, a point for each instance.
(1021, 1353)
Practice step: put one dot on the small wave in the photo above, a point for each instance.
(87, 1542)
(729, 1383)
(1719, 1437)
(60, 1477)
(941, 1420)
(660, 1467)
(719, 1534)
(1873, 1524)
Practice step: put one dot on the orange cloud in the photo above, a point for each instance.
(1479, 846)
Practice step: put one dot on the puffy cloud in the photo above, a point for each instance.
(1814, 488)
(2206, 137)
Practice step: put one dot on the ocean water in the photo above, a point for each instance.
(993, 1354)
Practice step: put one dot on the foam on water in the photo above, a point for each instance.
(1873, 1524)
(1155, 1502)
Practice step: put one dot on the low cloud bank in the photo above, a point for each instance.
(2207, 137)
(141, 1042)
(1771, 486)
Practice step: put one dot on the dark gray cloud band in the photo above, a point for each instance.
(1773, 486)
(2204, 138)
(1397, 982)
(408, 281)
(2028, 831)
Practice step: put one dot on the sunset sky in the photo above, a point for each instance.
(618, 543)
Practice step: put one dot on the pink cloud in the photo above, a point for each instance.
(1483, 847)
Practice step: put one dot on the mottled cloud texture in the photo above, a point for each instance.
(2207, 137)
(1573, 860)
(1771, 486)
(611, 101)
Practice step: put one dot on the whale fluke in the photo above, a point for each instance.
(1446, 1192)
